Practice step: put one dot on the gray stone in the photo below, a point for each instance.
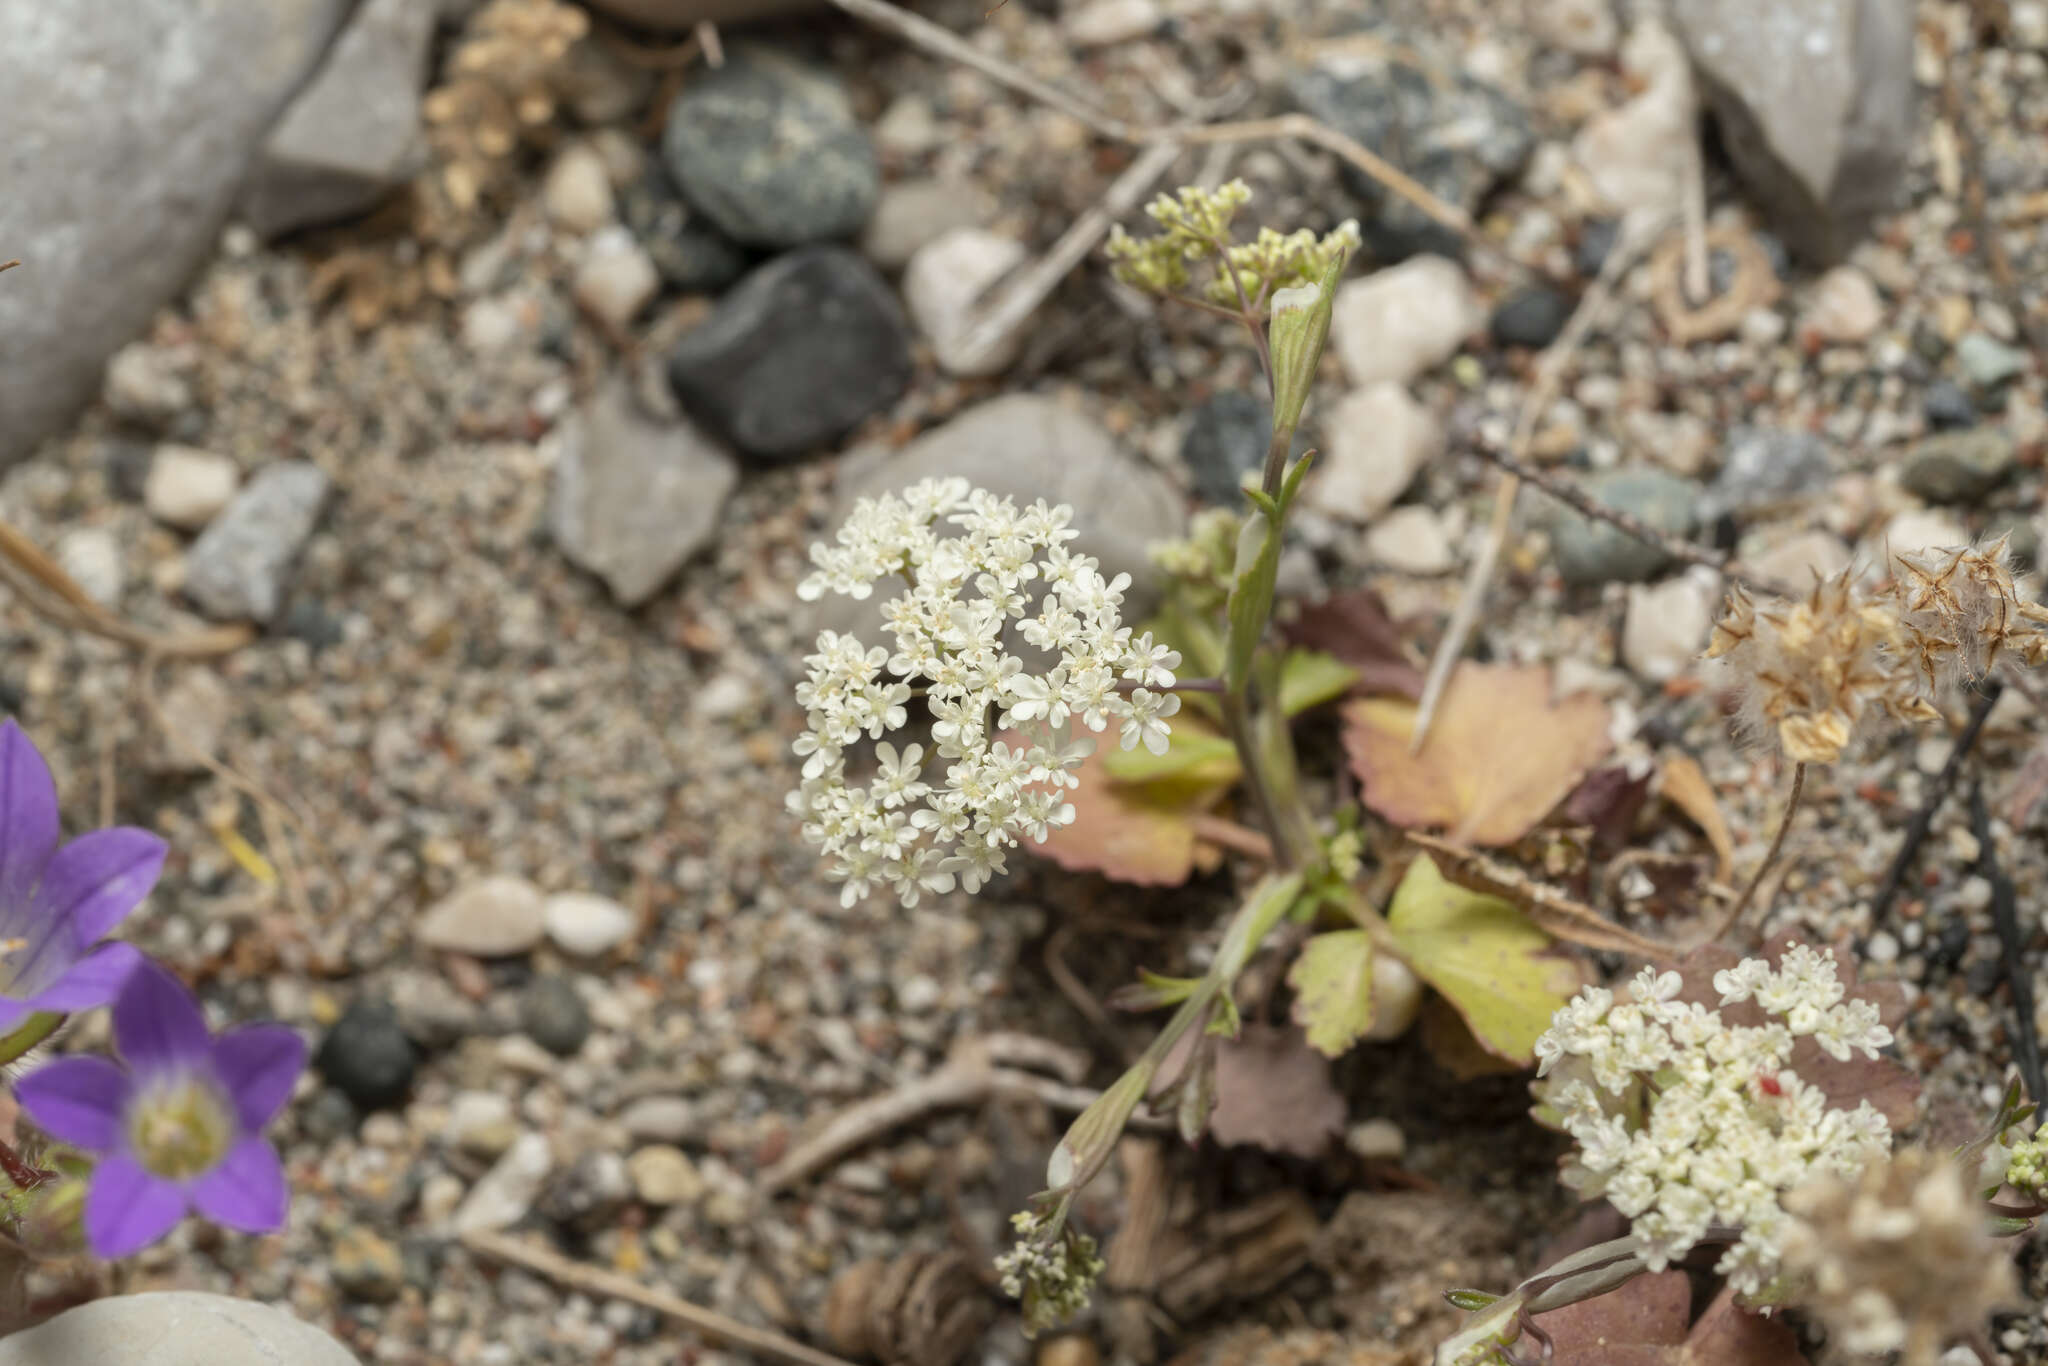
(1958, 467)
(1456, 135)
(147, 384)
(129, 125)
(911, 213)
(238, 566)
(1815, 103)
(1590, 552)
(1226, 440)
(1987, 362)
(769, 150)
(488, 917)
(662, 1119)
(1765, 466)
(367, 1055)
(691, 255)
(635, 497)
(1946, 407)
(795, 355)
(353, 135)
(589, 1195)
(173, 1328)
(554, 1016)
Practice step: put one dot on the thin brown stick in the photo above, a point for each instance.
(34, 575)
(1733, 914)
(10, 265)
(1240, 839)
(708, 1323)
(1549, 375)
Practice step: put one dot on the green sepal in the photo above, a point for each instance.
(38, 1027)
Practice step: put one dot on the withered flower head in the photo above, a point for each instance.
(1899, 1259)
(1962, 614)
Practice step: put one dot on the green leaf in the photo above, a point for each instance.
(1309, 678)
(1332, 981)
(1153, 992)
(1485, 956)
(1251, 592)
(1191, 755)
(32, 1031)
(1471, 1301)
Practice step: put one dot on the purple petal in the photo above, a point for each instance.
(12, 1013)
(77, 1101)
(92, 981)
(246, 1192)
(157, 1024)
(258, 1065)
(28, 818)
(93, 882)
(127, 1209)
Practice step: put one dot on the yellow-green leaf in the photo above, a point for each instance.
(1309, 678)
(1194, 755)
(1485, 956)
(1332, 981)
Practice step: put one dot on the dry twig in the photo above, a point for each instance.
(709, 1323)
(1937, 793)
(2012, 941)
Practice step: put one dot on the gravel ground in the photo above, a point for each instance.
(444, 697)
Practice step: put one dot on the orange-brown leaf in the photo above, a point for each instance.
(1500, 755)
(1142, 833)
(1686, 787)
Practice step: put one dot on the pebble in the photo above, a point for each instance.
(1922, 529)
(1988, 363)
(665, 1119)
(1379, 439)
(1958, 467)
(1376, 1140)
(1531, 317)
(488, 917)
(1454, 133)
(197, 709)
(1844, 307)
(1596, 239)
(769, 150)
(1797, 561)
(504, 1194)
(91, 555)
(821, 314)
(146, 384)
(238, 567)
(367, 1056)
(553, 1014)
(1411, 540)
(1590, 552)
(173, 1328)
(691, 255)
(1764, 467)
(577, 193)
(1586, 28)
(1102, 23)
(662, 1175)
(481, 1124)
(588, 1196)
(943, 282)
(430, 1010)
(366, 1266)
(1396, 323)
(615, 279)
(585, 924)
(912, 213)
(1681, 442)
(1882, 947)
(187, 487)
(635, 497)
(1635, 156)
(1666, 624)
(1946, 407)
(908, 128)
(1225, 441)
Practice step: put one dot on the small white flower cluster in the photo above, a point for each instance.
(1051, 1270)
(1007, 570)
(1686, 1122)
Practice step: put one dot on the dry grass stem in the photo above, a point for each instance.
(1733, 915)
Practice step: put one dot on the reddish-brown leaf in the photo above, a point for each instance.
(1647, 1322)
(1356, 628)
(1274, 1091)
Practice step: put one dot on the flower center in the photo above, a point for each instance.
(180, 1129)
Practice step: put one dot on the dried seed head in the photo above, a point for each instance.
(1899, 1259)
(1963, 615)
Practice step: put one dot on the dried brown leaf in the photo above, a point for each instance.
(1554, 912)
(1274, 1091)
(1500, 756)
(1647, 1322)
(1356, 628)
(1686, 787)
(1141, 833)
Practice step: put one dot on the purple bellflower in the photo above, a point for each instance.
(58, 903)
(179, 1127)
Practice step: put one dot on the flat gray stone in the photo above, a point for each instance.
(238, 567)
(1815, 103)
(129, 126)
(1958, 467)
(1590, 552)
(173, 1328)
(635, 497)
(353, 135)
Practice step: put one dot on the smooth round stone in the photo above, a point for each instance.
(489, 917)
(367, 1055)
(586, 924)
(554, 1016)
(173, 1328)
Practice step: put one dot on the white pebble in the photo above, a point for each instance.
(91, 555)
(1396, 323)
(586, 924)
(945, 280)
(1883, 948)
(615, 278)
(578, 192)
(187, 487)
(1411, 540)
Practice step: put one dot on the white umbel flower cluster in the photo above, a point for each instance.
(1005, 573)
(1686, 1122)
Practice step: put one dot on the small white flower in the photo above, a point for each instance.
(1146, 723)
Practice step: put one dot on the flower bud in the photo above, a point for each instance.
(1301, 325)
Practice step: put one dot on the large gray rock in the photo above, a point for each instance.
(634, 498)
(1815, 103)
(173, 1328)
(237, 569)
(769, 150)
(353, 135)
(795, 354)
(129, 125)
